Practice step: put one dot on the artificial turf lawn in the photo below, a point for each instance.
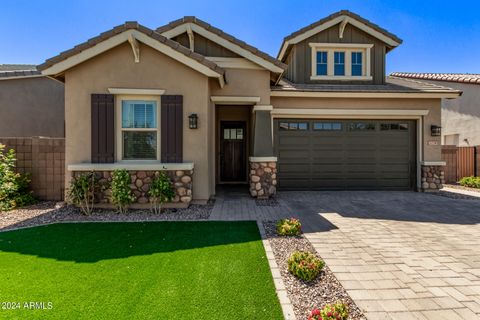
(154, 270)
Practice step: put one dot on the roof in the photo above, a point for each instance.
(18, 70)
(131, 25)
(393, 85)
(448, 77)
(395, 41)
(222, 34)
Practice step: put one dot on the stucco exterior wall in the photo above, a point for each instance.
(431, 145)
(116, 68)
(31, 107)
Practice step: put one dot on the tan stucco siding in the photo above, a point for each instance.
(31, 107)
(244, 82)
(116, 68)
(431, 152)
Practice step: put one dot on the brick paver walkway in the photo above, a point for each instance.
(400, 255)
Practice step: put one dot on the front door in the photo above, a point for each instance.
(233, 160)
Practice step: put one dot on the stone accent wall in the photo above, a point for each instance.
(433, 178)
(263, 179)
(140, 184)
(43, 158)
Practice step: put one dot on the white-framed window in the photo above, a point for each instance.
(340, 61)
(138, 128)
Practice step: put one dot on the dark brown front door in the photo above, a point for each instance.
(233, 151)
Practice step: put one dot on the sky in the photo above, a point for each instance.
(438, 36)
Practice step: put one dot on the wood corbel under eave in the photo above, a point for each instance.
(191, 38)
(135, 47)
(343, 24)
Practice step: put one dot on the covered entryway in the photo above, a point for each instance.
(345, 154)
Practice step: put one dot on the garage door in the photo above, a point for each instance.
(345, 154)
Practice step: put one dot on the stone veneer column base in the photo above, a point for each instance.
(263, 177)
(433, 178)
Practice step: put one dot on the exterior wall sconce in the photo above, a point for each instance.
(436, 131)
(193, 121)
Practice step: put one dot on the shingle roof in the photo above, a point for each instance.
(18, 70)
(129, 25)
(393, 85)
(224, 35)
(448, 77)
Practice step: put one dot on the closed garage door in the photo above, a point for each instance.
(345, 154)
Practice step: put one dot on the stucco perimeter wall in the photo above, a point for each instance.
(116, 68)
(31, 107)
(431, 151)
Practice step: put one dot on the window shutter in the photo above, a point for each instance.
(103, 129)
(172, 129)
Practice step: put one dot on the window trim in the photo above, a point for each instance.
(118, 126)
(347, 48)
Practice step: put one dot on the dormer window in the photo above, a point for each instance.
(340, 61)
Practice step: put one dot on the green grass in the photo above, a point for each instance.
(156, 270)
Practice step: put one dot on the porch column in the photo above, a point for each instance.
(263, 164)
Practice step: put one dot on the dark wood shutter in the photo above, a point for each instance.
(103, 128)
(172, 129)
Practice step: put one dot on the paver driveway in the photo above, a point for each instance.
(400, 255)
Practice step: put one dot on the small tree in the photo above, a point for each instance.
(13, 186)
(160, 192)
(82, 191)
(122, 194)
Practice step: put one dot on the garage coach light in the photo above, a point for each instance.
(193, 121)
(436, 131)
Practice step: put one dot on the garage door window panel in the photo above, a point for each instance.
(327, 126)
(361, 126)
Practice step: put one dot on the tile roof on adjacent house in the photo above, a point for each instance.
(224, 35)
(129, 25)
(448, 77)
(18, 70)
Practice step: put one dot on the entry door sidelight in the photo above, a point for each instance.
(233, 160)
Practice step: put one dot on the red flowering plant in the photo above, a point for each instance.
(336, 311)
(289, 227)
(305, 265)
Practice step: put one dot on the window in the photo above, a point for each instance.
(339, 64)
(322, 63)
(293, 126)
(327, 126)
(233, 134)
(357, 62)
(361, 126)
(394, 126)
(139, 132)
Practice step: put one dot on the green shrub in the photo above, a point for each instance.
(472, 182)
(289, 227)
(160, 191)
(337, 311)
(122, 194)
(13, 186)
(82, 191)
(305, 265)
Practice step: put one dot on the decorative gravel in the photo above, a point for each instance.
(306, 296)
(457, 186)
(453, 195)
(50, 212)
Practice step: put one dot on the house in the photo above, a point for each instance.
(460, 117)
(210, 109)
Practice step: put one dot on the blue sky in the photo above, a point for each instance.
(439, 36)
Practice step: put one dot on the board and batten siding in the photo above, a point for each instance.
(205, 46)
(300, 56)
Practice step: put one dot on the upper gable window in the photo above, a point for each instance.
(340, 61)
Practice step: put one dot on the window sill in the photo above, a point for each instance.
(131, 165)
(342, 78)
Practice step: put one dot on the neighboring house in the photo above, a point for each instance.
(460, 117)
(194, 101)
(30, 103)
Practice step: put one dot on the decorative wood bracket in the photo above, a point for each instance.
(135, 47)
(343, 24)
(191, 39)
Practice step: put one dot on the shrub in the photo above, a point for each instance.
(472, 182)
(305, 265)
(122, 194)
(160, 192)
(82, 191)
(13, 186)
(337, 311)
(289, 227)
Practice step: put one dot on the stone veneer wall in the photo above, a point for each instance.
(263, 179)
(433, 178)
(140, 184)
